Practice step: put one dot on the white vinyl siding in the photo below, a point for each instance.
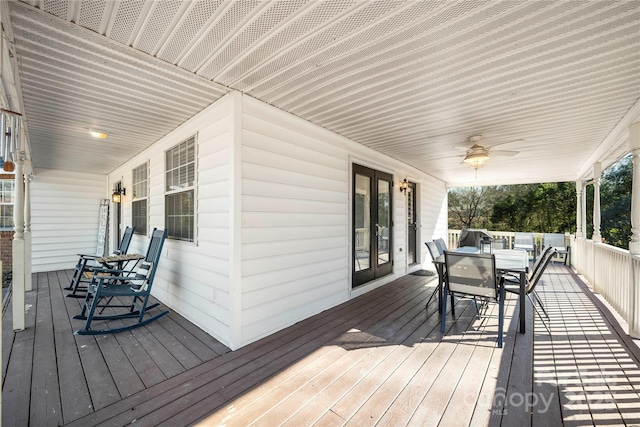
(193, 279)
(273, 220)
(295, 216)
(65, 207)
(433, 216)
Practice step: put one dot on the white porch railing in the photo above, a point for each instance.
(608, 269)
(454, 235)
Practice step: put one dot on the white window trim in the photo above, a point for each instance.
(194, 188)
(3, 228)
(147, 197)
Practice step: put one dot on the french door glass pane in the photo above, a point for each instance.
(363, 222)
(384, 221)
(411, 224)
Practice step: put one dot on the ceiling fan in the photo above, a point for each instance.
(477, 155)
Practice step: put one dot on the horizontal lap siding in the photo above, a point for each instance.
(198, 285)
(294, 212)
(433, 216)
(295, 225)
(65, 209)
(193, 278)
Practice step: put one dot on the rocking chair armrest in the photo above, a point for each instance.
(105, 272)
(94, 268)
(86, 256)
(103, 279)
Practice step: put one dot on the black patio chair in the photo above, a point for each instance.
(475, 276)
(498, 243)
(86, 263)
(556, 240)
(435, 253)
(512, 284)
(108, 285)
(525, 241)
(442, 246)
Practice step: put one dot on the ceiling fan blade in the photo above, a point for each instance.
(448, 157)
(505, 143)
(503, 153)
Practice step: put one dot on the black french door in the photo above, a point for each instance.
(372, 224)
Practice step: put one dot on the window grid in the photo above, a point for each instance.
(180, 171)
(139, 216)
(7, 192)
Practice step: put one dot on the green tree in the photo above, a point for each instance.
(548, 207)
(468, 207)
(542, 208)
(615, 203)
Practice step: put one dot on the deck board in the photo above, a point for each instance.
(47, 410)
(465, 397)
(17, 381)
(7, 336)
(378, 359)
(77, 403)
(516, 410)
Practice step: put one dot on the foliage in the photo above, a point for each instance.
(615, 201)
(466, 206)
(547, 207)
(527, 207)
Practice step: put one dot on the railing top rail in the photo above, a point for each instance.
(611, 248)
(602, 246)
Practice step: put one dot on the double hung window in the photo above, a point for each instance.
(7, 191)
(140, 204)
(180, 173)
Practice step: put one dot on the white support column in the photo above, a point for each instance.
(579, 203)
(634, 244)
(28, 286)
(597, 171)
(17, 293)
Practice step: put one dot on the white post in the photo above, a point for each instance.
(579, 202)
(28, 286)
(17, 293)
(634, 244)
(597, 171)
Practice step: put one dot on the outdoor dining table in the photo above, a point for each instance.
(508, 261)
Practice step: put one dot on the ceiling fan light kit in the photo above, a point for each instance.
(476, 160)
(477, 155)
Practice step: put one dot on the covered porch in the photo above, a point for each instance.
(378, 359)
(279, 102)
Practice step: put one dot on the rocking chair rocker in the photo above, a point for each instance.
(107, 285)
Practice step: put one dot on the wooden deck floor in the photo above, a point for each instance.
(376, 360)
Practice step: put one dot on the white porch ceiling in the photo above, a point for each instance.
(411, 79)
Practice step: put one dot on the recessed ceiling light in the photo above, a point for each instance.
(99, 134)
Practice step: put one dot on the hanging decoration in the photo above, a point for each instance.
(9, 128)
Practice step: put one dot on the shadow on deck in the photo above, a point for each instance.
(377, 359)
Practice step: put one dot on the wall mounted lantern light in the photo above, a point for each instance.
(118, 192)
(404, 185)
